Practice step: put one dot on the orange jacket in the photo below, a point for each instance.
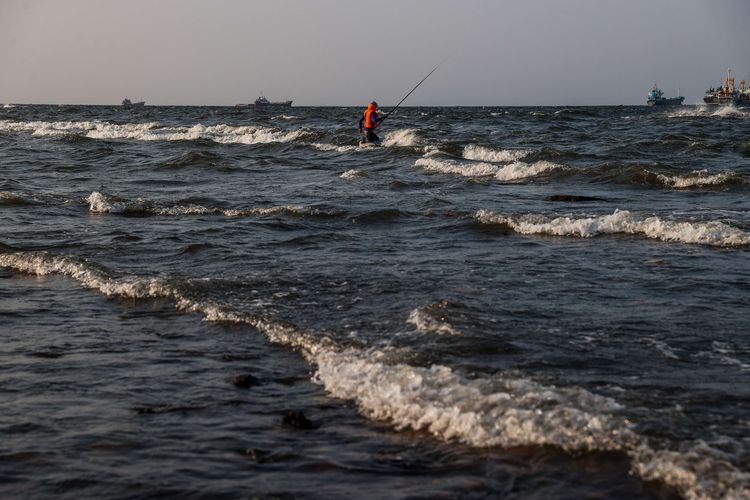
(370, 120)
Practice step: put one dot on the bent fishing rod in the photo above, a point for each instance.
(412, 90)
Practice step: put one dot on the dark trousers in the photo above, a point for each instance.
(370, 135)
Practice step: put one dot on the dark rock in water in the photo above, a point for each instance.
(297, 419)
(245, 381)
(145, 410)
(572, 197)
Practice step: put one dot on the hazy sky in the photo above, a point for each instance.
(348, 52)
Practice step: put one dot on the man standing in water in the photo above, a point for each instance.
(369, 121)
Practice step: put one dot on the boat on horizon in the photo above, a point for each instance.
(727, 94)
(656, 98)
(262, 102)
(127, 103)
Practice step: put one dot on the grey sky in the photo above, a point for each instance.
(347, 52)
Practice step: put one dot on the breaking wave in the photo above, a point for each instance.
(710, 233)
(665, 176)
(401, 138)
(715, 111)
(321, 146)
(485, 411)
(353, 174)
(700, 178)
(431, 319)
(511, 172)
(481, 153)
(223, 134)
(99, 203)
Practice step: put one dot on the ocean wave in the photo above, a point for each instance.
(482, 411)
(99, 203)
(664, 175)
(712, 233)
(481, 153)
(515, 411)
(454, 167)
(321, 146)
(223, 134)
(192, 159)
(431, 319)
(401, 138)
(11, 198)
(700, 178)
(353, 174)
(706, 111)
(511, 172)
(134, 287)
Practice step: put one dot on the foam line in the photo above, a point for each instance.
(485, 411)
(712, 233)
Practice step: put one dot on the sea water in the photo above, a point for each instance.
(520, 302)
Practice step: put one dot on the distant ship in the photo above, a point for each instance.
(656, 98)
(127, 103)
(262, 102)
(727, 94)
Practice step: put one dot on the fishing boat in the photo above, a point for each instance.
(656, 98)
(127, 103)
(727, 94)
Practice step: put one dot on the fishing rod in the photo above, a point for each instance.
(412, 90)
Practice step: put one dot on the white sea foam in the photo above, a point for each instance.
(8, 106)
(521, 170)
(235, 212)
(697, 470)
(99, 203)
(697, 178)
(225, 134)
(481, 153)
(716, 111)
(486, 411)
(430, 320)
(322, 146)
(457, 168)
(724, 354)
(711, 233)
(514, 171)
(517, 411)
(353, 174)
(730, 111)
(285, 117)
(664, 349)
(401, 138)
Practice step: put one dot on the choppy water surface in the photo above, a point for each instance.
(520, 302)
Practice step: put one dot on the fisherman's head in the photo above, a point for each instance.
(372, 105)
